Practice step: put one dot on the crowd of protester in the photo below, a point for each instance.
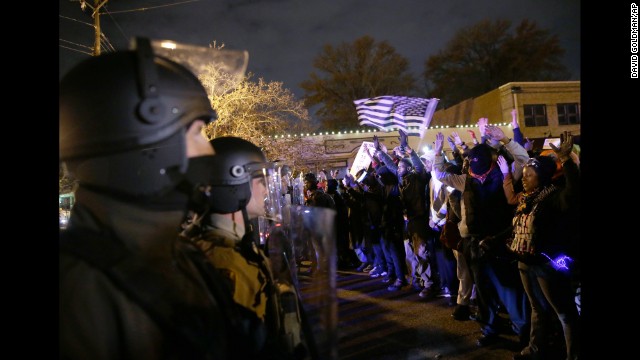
(516, 209)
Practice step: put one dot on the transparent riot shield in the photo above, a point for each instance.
(297, 196)
(303, 258)
(219, 70)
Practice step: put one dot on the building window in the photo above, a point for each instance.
(535, 115)
(568, 114)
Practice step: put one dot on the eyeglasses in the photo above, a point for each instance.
(533, 162)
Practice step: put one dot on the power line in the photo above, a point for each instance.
(71, 42)
(80, 51)
(153, 7)
(76, 20)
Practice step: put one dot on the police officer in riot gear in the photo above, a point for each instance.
(246, 186)
(130, 131)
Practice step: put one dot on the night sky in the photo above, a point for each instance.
(284, 36)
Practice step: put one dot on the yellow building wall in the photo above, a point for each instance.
(497, 104)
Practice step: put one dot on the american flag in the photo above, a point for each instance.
(410, 114)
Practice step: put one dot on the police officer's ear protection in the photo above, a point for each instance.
(150, 108)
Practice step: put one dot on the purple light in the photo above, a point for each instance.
(561, 262)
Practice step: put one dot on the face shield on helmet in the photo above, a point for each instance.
(272, 179)
(236, 163)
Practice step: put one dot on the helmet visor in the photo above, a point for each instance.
(273, 182)
(225, 67)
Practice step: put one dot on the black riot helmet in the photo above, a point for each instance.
(236, 163)
(123, 118)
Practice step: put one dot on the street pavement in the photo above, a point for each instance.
(375, 323)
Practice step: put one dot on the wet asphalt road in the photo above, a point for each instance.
(375, 323)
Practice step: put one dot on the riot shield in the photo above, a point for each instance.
(302, 253)
(219, 70)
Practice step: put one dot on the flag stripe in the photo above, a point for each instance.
(410, 114)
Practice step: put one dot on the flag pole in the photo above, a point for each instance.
(428, 115)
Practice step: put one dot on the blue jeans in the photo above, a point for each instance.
(496, 280)
(395, 255)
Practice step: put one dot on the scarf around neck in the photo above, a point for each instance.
(529, 200)
(482, 177)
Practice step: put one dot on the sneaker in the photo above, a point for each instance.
(486, 340)
(474, 317)
(397, 285)
(367, 268)
(461, 313)
(387, 280)
(416, 285)
(376, 272)
(428, 293)
(444, 292)
(362, 267)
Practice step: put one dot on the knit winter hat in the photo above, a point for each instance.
(480, 158)
(545, 167)
(332, 185)
(559, 172)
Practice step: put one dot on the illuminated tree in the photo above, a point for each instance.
(66, 182)
(262, 112)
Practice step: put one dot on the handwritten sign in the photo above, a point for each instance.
(362, 160)
(554, 141)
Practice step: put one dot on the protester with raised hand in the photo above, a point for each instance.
(474, 139)
(528, 145)
(517, 134)
(482, 126)
(457, 141)
(507, 182)
(485, 214)
(545, 242)
(413, 179)
(510, 150)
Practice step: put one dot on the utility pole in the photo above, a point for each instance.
(96, 21)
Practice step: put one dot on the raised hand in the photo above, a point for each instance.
(494, 132)
(502, 163)
(452, 143)
(403, 139)
(376, 142)
(456, 138)
(473, 137)
(482, 125)
(528, 145)
(437, 148)
(514, 119)
(566, 147)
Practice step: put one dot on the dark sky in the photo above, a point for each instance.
(284, 36)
